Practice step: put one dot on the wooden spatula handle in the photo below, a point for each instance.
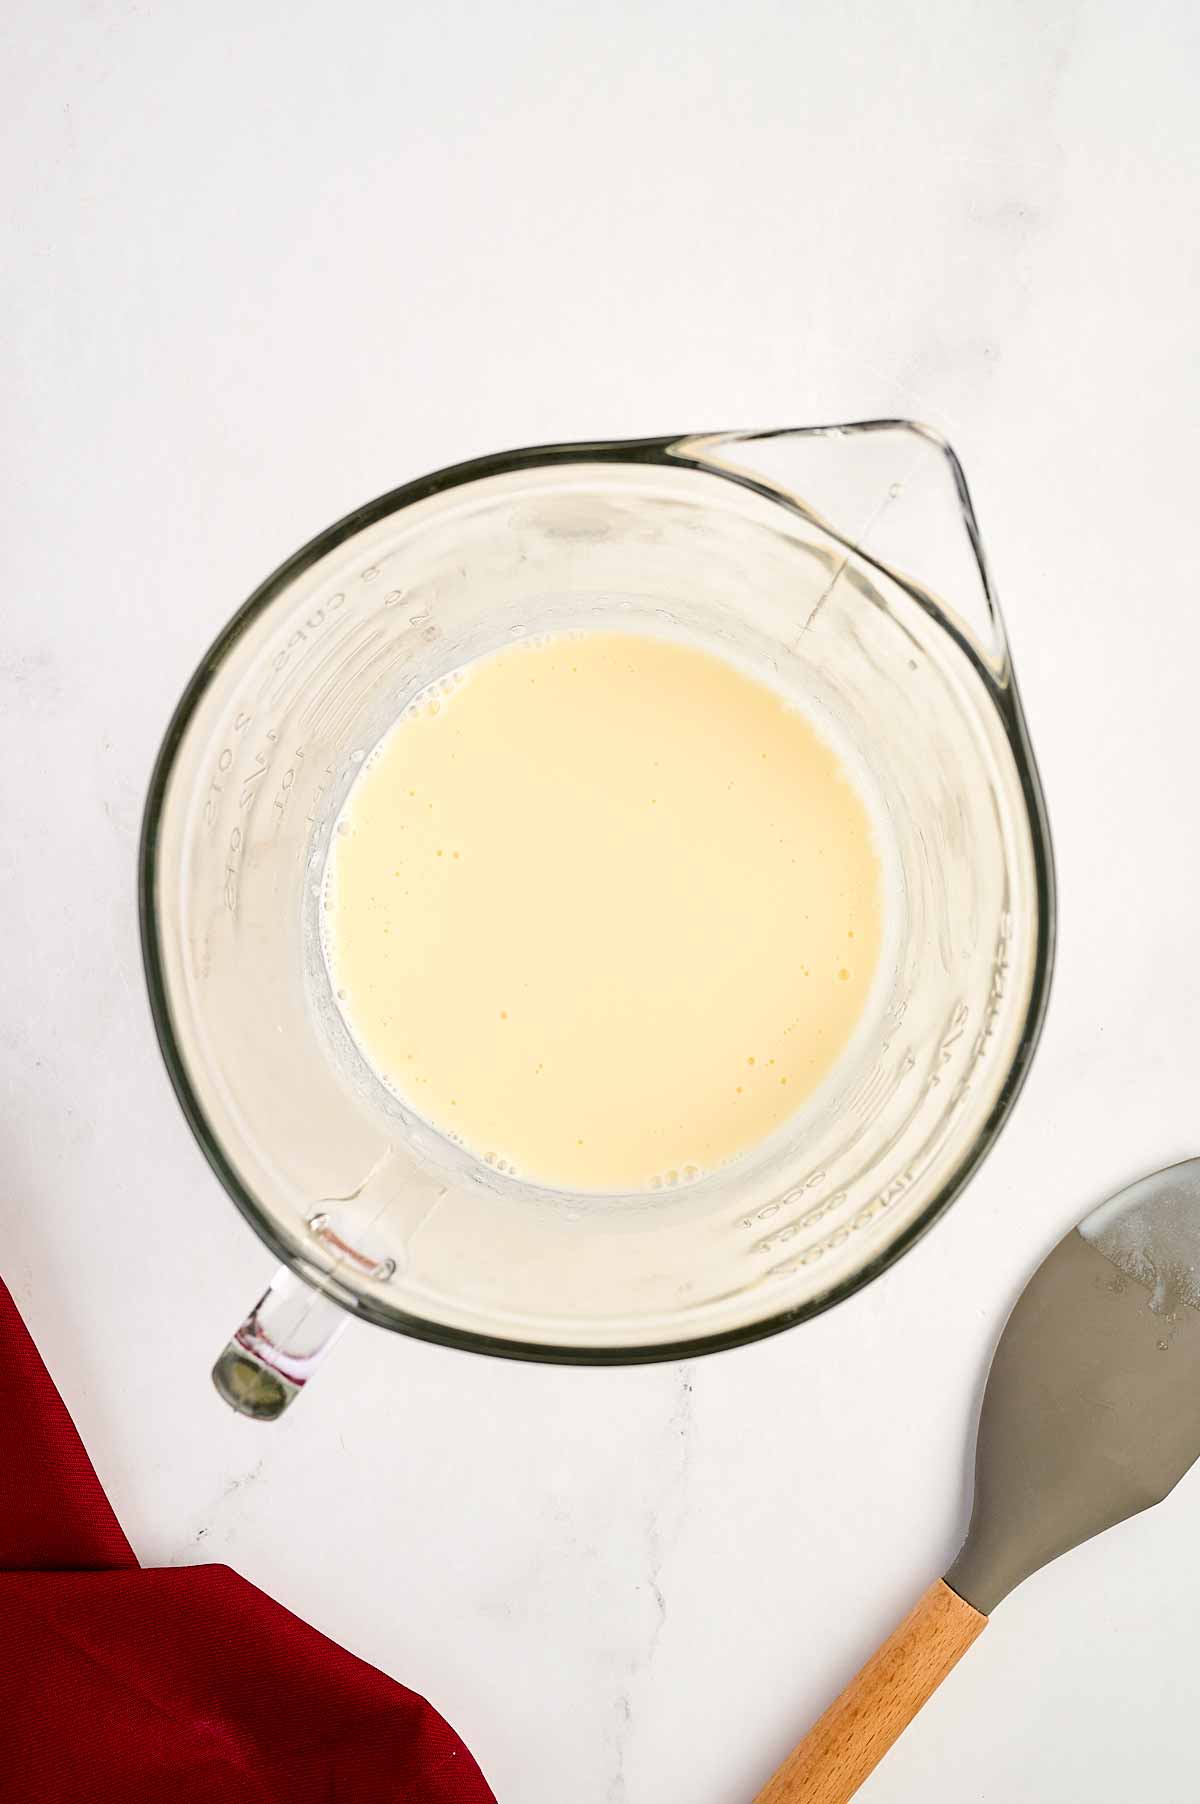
(876, 1707)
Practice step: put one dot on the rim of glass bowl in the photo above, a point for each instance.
(674, 452)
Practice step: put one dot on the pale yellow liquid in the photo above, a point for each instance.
(605, 909)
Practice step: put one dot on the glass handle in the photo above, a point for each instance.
(278, 1347)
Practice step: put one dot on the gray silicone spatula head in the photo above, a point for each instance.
(1092, 1406)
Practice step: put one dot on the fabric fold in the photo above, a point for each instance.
(176, 1685)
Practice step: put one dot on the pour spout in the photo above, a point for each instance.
(890, 491)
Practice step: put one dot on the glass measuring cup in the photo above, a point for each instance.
(844, 560)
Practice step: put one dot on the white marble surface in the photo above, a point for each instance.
(265, 261)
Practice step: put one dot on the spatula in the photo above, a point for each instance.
(1091, 1414)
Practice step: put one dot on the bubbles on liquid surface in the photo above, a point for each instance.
(675, 1177)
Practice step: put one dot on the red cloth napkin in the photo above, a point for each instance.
(173, 1686)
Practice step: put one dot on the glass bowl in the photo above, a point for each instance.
(843, 562)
